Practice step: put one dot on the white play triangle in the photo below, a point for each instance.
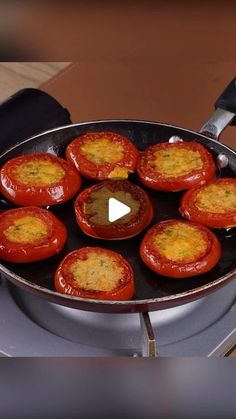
(116, 209)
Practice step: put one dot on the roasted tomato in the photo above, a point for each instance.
(213, 205)
(103, 155)
(92, 210)
(29, 234)
(176, 166)
(180, 249)
(94, 272)
(39, 179)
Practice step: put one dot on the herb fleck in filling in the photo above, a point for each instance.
(180, 242)
(217, 198)
(177, 161)
(26, 229)
(38, 173)
(99, 272)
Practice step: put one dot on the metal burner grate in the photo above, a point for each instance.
(30, 326)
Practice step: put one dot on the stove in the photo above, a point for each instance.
(31, 326)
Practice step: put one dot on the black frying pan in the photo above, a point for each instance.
(153, 292)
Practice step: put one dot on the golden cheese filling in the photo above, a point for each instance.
(176, 161)
(102, 150)
(27, 229)
(97, 210)
(119, 172)
(39, 173)
(217, 198)
(180, 243)
(99, 272)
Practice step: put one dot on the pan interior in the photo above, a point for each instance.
(148, 284)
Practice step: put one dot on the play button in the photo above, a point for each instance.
(117, 210)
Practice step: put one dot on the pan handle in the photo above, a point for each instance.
(225, 113)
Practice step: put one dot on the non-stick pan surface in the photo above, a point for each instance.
(153, 291)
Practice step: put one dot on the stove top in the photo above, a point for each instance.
(31, 326)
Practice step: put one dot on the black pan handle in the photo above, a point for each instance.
(29, 112)
(227, 100)
(225, 113)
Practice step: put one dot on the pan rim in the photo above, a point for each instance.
(18, 144)
(170, 298)
(150, 301)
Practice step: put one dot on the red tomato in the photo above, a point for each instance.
(39, 179)
(175, 166)
(213, 205)
(92, 210)
(97, 273)
(103, 155)
(29, 234)
(180, 249)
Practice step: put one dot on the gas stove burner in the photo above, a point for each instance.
(122, 331)
(31, 326)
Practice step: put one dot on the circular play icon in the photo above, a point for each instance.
(114, 209)
(117, 209)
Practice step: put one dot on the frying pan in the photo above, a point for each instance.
(153, 292)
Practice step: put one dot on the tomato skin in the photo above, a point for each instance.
(31, 252)
(25, 195)
(116, 230)
(66, 285)
(93, 171)
(156, 180)
(189, 210)
(166, 267)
